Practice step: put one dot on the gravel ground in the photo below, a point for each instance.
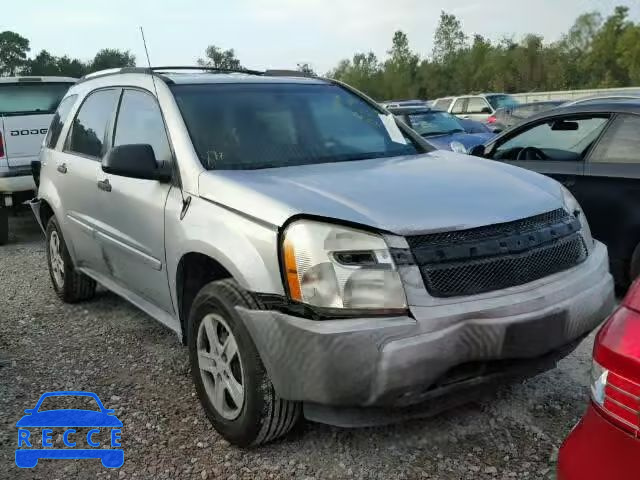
(138, 367)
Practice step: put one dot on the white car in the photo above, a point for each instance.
(475, 107)
(27, 105)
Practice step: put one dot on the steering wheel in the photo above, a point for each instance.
(531, 153)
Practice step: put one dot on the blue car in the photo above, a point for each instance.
(443, 130)
(28, 453)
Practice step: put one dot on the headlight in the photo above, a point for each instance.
(333, 266)
(458, 147)
(573, 207)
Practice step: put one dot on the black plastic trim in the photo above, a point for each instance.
(16, 172)
(283, 304)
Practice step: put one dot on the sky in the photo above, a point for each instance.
(278, 33)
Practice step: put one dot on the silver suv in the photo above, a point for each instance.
(316, 256)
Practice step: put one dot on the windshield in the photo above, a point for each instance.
(435, 123)
(30, 98)
(502, 101)
(260, 125)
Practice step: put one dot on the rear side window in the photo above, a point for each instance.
(59, 120)
(31, 98)
(458, 107)
(140, 121)
(620, 143)
(89, 129)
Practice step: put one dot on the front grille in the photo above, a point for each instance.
(490, 231)
(495, 257)
(485, 275)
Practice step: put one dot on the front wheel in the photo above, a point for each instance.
(69, 284)
(229, 376)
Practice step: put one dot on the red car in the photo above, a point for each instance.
(606, 442)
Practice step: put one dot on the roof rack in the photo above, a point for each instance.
(158, 71)
(287, 73)
(208, 69)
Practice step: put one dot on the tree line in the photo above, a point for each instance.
(596, 52)
(14, 49)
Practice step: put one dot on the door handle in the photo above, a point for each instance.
(104, 185)
(62, 168)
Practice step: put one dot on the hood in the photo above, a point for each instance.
(469, 140)
(404, 195)
(69, 418)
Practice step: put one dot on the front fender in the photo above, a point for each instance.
(247, 249)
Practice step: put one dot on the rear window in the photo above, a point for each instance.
(502, 101)
(442, 104)
(31, 98)
(252, 126)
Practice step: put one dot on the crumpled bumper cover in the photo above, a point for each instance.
(394, 361)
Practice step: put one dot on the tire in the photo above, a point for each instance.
(4, 226)
(70, 285)
(262, 415)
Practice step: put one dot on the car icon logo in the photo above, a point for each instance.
(68, 419)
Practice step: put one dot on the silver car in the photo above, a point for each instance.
(316, 256)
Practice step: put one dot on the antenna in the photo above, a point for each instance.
(144, 42)
(185, 201)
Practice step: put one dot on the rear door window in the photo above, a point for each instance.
(59, 120)
(140, 122)
(31, 98)
(89, 130)
(442, 104)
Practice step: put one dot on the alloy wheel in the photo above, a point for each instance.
(220, 366)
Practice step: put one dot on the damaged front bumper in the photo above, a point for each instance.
(403, 361)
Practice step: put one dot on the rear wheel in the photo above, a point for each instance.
(4, 225)
(70, 285)
(229, 376)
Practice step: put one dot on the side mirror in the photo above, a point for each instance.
(29, 411)
(486, 110)
(477, 151)
(109, 411)
(133, 161)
